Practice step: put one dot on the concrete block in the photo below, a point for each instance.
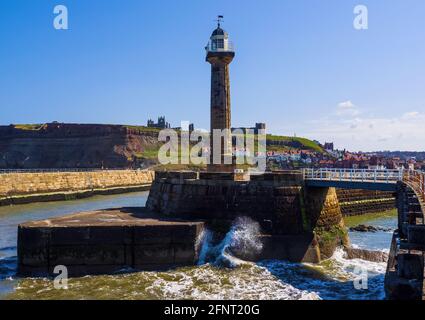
(32, 271)
(105, 241)
(111, 235)
(35, 237)
(185, 234)
(87, 255)
(216, 176)
(155, 254)
(34, 256)
(147, 235)
(69, 235)
(185, 254)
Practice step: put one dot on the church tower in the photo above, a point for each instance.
(220, 54)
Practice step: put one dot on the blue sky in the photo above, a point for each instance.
(300, 66)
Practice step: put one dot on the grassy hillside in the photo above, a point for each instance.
(285, 143)
(142, 128)
(40, 126)
(138, 147)
(274, 142)
(28, 126)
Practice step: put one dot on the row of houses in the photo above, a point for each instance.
(341, 159)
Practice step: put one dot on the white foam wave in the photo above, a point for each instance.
(348, 265)
(241, 241)
(246, 282)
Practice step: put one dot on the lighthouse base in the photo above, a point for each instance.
(225, 168)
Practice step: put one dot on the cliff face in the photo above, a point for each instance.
(73, 146)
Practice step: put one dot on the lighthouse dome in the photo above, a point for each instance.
(219, 32)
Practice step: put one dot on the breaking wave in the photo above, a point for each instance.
(334, 278)
(240, 242)
(268, 280)
(223, 273)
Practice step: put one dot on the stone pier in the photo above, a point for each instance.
(107, 241)
(404, 279)
(322, 215)
(298, 223)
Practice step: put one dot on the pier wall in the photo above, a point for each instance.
(404, 279)
(273, 200)
(287, 211)
(16, 188)
(358, 202)
(106, 241)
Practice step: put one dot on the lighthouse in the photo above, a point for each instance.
(220, 53)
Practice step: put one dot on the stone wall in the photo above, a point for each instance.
(358, 202)
(323, 216)
(15, 186)
(279, 202)
(275, 205)
(404, 279)
(106, 241)
(220, 104)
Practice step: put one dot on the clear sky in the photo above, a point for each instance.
(300, 66)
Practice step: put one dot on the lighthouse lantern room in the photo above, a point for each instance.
(219, 40)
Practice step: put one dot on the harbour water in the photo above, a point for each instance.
(219, 275)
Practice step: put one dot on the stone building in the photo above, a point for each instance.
(328, 146)
(258, 126)
(161, 124)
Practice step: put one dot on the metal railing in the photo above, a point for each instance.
(213, 47)
(416, 180)
(354, 175)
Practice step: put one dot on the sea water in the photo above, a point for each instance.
(219, 274)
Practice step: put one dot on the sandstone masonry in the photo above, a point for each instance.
(358, 202)
(45, 186)
(299, 223)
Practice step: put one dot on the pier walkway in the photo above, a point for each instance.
(404, 278)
